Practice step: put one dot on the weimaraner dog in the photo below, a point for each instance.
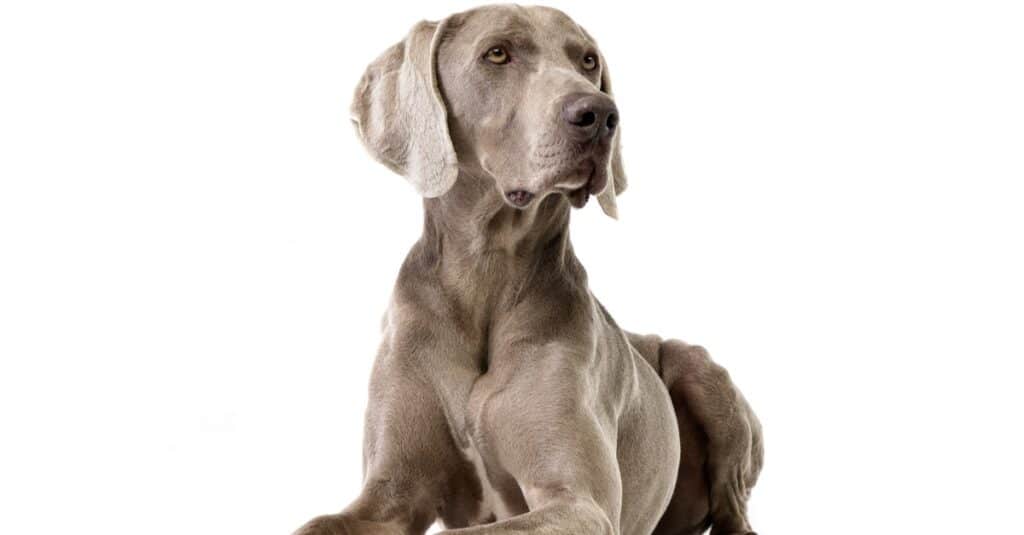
(504, 398)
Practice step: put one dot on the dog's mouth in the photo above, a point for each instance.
(595, 181)
(586, 178)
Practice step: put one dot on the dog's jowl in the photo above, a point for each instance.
(504, 398)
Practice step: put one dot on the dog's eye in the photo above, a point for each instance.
(497, 56)
(589, 62)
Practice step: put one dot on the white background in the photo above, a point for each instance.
(195, 251)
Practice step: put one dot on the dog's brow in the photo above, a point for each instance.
(515, 38)
(576, 49)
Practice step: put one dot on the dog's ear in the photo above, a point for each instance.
(616, 174)
(400, 115)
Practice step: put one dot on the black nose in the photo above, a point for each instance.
(590, 115)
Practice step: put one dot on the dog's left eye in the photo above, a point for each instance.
(589, 62)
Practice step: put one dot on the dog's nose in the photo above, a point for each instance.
(590, 115)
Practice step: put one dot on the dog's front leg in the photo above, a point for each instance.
(561, 513)
(529, 416)
(412, 467)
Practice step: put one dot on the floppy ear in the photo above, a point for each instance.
(616, 175)
(400, 115)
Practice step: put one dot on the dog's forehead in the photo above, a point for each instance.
(543, 26)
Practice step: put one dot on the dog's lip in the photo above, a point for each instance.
(590, 181)
(579, 194)
(578, 197)
(582, 167)
(597, 182)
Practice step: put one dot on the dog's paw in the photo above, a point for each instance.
(335, 524)
(346, 524)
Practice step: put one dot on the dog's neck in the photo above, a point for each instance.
(474, 238)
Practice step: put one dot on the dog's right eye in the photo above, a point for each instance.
(497, 56)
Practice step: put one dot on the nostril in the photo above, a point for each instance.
(587, 119)
(612, 121)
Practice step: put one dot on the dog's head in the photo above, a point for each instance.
(518, 96)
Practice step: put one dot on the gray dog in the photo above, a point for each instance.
(504, 398)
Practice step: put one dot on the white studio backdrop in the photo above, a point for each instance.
(195, 251)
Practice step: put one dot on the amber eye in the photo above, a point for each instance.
(497, 56)
(589, 62)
